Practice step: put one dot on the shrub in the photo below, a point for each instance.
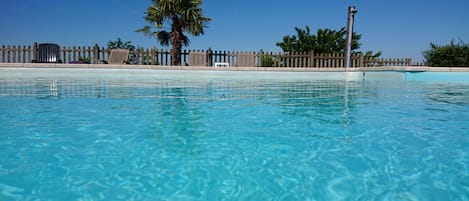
(451, 55)
(268, 61)
(84, 59)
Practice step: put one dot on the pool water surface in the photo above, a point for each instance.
(125, 135)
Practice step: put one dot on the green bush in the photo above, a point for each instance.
(268, 61)
(84, 59)
(452, 55)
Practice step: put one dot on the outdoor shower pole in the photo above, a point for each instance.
(348, 44)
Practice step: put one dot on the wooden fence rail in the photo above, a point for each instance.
(153, 56)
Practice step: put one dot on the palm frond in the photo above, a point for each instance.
(145, 30)
(185, 40)
(163, 37)
(182, 16)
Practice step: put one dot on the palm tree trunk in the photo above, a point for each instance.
(176, 53)
(176, 40)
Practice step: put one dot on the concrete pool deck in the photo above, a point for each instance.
(208, 68)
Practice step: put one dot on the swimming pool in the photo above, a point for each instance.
(88, 134)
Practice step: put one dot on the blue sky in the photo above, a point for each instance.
(398, 28)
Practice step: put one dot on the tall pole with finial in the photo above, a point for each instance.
(348, 44)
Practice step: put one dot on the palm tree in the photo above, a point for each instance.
(185, 16)
(120, 44)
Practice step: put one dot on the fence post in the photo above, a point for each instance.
(136, 53)
(64, 54)
(184, 60)
(153, 55)
(408, 62)
(80, 51)
(209, 57)
(35, 51)
(362, 60)
(103, 54)
(96, 54)
(310, 58)
(3, 53)
(20, 54)
(74, 53)
(261, 56)
(29, 54)
(8, 53)
(69, 54)
(15, 55)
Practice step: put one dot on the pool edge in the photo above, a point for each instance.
(208, 68)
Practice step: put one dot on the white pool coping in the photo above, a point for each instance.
(204, 74)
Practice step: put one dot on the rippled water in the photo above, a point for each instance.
(133, 138)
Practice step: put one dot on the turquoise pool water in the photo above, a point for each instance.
(77, 134)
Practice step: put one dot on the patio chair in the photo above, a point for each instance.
(48, 53)
(246, 60)
(118, 56)
(197, 58)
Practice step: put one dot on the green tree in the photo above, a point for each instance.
(447, 55)
(185, 16)
(333, 41)
(372, 55)
(302, 42)
(119, 44)
(325, 41)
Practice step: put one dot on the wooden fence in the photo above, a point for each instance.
(154, 56)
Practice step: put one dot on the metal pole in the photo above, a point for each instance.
(348, 44)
